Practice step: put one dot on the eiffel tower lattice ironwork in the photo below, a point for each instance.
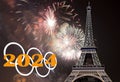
(88, 68)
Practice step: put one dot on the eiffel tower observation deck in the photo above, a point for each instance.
(88, 68)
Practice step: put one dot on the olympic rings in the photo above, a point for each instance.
(45, 74)
(31, 59)
(12, 43)
(21, 72)
(33, 48)
(45, 61)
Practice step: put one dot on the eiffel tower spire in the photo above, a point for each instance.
(89, 49)
(89, 41)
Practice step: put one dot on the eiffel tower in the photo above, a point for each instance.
(88, 68)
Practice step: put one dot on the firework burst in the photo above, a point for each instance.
(56, 26)
(68, 42)
(50, 21)
(65, 13)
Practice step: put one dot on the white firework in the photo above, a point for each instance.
(50, 21)
(68, 42)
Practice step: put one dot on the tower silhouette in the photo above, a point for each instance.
(88, 68)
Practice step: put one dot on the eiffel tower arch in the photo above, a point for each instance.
(88, 68)
(90, 76)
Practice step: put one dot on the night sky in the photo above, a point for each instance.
(105, 19)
